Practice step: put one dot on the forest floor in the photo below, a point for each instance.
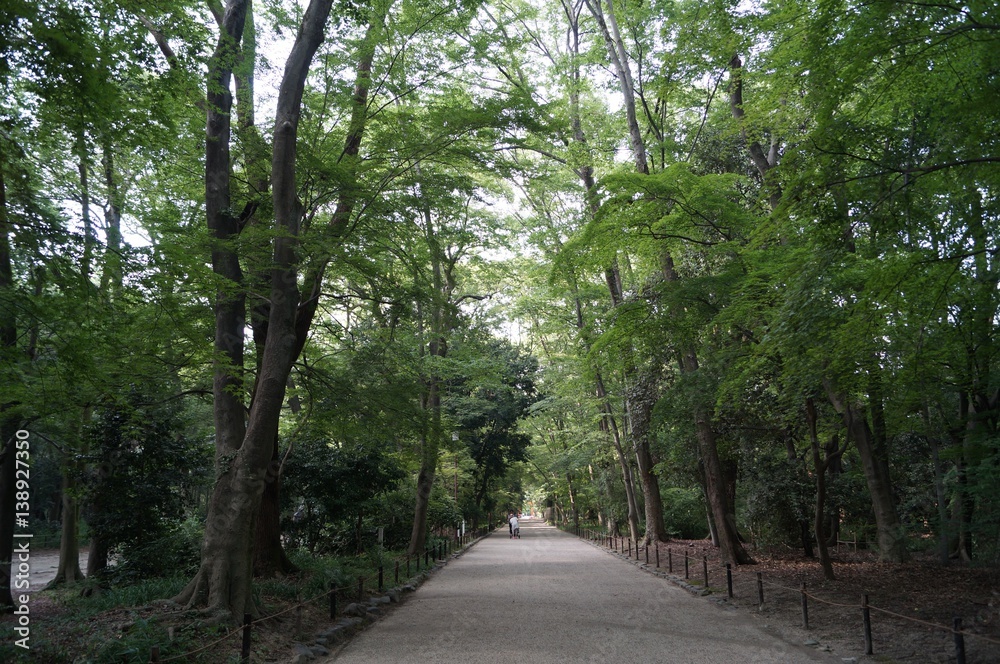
(927, 594)
(912, 604)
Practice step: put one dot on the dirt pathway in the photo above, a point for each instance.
(549, 597)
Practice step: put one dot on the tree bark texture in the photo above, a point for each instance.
(641, 399)
(891, 540)
(223, 581)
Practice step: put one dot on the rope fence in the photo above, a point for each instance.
(439, 551)
(625, 546)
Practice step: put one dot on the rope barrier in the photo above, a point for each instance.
(323, 595)
(800, 591)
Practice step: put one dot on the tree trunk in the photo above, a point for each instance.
(586, 174)
(430, 446)
(891, 541)
(69, 542)
(819, 517)
(111, 275)
(641, 400)
(97, 557)
(8, 423)
(572, 500)
(269, 555)
(223, 581)
(612, 427)
(723, 514)
(723, 511)
(608, 25)
(8, 430)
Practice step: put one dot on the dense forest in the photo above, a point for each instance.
(288, 280)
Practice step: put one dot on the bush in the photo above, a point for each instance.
(684, 513)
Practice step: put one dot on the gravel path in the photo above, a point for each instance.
(549, 597)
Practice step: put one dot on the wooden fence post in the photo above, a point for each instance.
(245, 650)
(866, 620)
(154, 654)
(729, 579)
(704, 566)
(959, 640)
(805, 607)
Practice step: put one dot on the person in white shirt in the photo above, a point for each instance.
(514, 530)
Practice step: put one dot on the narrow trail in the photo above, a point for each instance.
(549, 597)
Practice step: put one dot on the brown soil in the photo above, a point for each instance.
(925, 597)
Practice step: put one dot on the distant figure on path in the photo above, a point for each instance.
(514, 530)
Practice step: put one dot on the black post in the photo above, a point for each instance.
(687, 573)
(670, 560)
(380, 578)
(397, 571)
(729, 579)
(657, 556)
(154, 654)
(866, 619)
(704, 566)
(629, 547)
(805, 607)
(760, 590)
(333, 601)
(959, 640)
(245, 650)
(647, 554)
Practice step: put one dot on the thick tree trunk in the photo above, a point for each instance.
(269, 555)
(723, 510)
(97, 557)
(723, 514)
(891, 540)
(431, 445)
(223, 581)
(69, 542)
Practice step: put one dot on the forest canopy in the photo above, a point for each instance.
(284, 279)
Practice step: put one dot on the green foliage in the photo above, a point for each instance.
(685, 513)
(330, 486)
(144, 465)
